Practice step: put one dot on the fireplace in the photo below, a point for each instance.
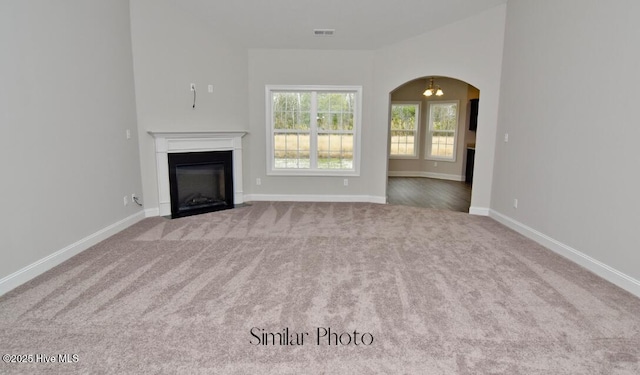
(193, 143)
(200, 182)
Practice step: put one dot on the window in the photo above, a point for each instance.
(313, 130)
(405, 125)
(443, 129)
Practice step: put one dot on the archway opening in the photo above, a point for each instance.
(432, 143)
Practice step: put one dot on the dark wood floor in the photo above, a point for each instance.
(429, 192)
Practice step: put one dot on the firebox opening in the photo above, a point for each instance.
(200, 182)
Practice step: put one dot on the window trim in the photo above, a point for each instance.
(357, 124)
(428, 142)
(416, 145)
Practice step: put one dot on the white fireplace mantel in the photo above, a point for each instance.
(170, 142)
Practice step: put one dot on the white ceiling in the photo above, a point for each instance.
(359, 24)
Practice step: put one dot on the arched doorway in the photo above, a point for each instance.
(432, 144)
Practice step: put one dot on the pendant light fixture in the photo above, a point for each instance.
(433, 90)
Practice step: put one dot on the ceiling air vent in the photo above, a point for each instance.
(323, 32)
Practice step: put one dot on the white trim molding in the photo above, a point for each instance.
(479, 211)
(171, 142)
(440, 176)
(605, 271)
(27, 273)
(314, 198)
(152, 212)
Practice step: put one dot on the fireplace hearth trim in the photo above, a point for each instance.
(170, 142)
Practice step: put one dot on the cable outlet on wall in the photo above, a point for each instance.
(192, 87)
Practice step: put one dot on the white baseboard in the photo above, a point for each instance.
(440, 176)
(479, 211)
(152, 212)
(27, 273)
(606, 272)
(314, 198)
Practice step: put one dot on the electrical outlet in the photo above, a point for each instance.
(346, 182)
(210, 89)
(506, 137)
(435, 163)
(133, 197)
(126, 200)
(128, 134)
(192, 87)
(258, 181)
(515, 203)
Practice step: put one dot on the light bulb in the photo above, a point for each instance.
(439, 92)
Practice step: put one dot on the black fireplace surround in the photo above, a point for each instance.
(200, 182)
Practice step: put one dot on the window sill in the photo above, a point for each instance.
(441, 159)
(403, 157)
(312, 173)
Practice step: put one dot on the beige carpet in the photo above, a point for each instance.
(438, 292)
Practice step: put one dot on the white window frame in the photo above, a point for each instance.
(428, 141)
(313, 170)
(416, 139)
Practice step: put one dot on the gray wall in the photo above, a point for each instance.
(305, 67)
(66, 100)
(173, 48)
(568, 102)
(469, 50)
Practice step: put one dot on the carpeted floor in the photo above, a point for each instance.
(419, 291)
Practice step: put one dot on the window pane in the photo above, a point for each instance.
(335, 111)
(402, 143)
(403, 117)
(291, 110)
(444, 116)
(404, 128)
(442, 144)
(335, 151)
(443, 121)
(291, 150)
